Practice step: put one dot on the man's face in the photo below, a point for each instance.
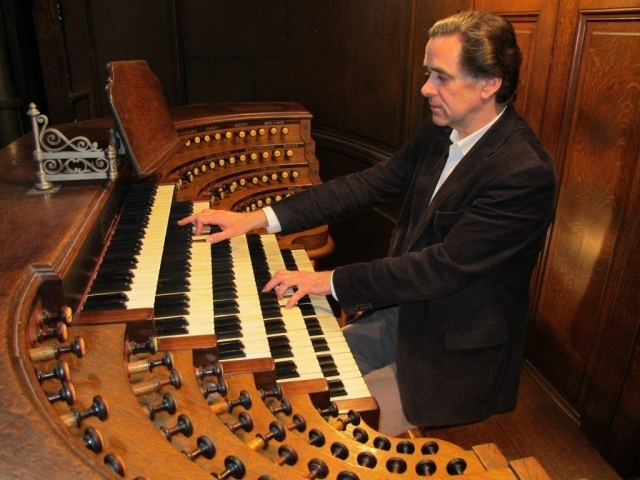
(456, 99)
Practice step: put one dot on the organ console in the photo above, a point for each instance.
(132, 349)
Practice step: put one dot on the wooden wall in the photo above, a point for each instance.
(357, 66)
(587, 317)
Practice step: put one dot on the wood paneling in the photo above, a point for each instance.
(585, 327)
(598, 194)
(374, 74)
(535, 23)
(317, 55)
(140, 30)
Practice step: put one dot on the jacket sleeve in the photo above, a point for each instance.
(345, 196)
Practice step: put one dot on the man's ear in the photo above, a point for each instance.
(490, 86)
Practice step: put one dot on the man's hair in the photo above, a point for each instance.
(489, 48)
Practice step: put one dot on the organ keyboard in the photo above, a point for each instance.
(199, 289)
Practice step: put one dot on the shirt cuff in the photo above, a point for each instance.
(273, 224)
(333, 290)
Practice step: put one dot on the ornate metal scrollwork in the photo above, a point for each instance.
(61, 159)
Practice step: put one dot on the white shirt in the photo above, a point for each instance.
(458, 149)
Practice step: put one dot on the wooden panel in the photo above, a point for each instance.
(222, 29)
(209, 80)
(597, 198)
(374, 74)
(534, 22)
(53, 61)
(317, 57)
(85, 91)
(235, 51)
(621, 445)
(140, 30)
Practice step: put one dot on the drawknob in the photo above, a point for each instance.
(276, 431)
(211, 387)
(396, 465)
(227, 406)
(92, 440)
(405, 447)
(347, 476)
(275, 392)
(429, 448)
(299, 423)
(244, 422)
(285, 407)
(316, 438)
(317, 469)
(360, 435)
(60, 372)
(55, 351)
(99, 408)
(339, 450)
(206, 448)
(115, 463)
(331, 410)
(382, 443)
(46, 317)
(287, 455)
(353, 418)
(66, 393)
(167, 404)
(456, 466)
(147, 365)
(367, 460)
(134, 348)
(426, 468)
(183, 426)
(155, 385)
(39, 335)
(233, 468)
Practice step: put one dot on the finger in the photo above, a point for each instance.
(199, 224)
(187, 220)
(294, 299)
(281, 291)
(219, 236)
(271, 284)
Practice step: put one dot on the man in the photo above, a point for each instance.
(443, 342)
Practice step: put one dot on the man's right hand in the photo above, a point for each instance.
(231, 223)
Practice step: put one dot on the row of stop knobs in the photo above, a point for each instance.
(220, 191)
(239, 135)
(191, 173)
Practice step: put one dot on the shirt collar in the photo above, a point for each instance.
(468, 142)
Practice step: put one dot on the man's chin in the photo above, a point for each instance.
(439, 119)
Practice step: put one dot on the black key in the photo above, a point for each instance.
(319, 345)
(231, 349)
(286, 369)
(336, 388)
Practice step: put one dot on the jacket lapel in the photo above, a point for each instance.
(474, 159)
(426, 178)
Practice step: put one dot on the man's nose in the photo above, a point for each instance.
(427, 89)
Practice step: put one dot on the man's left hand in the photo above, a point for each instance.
(315, 283)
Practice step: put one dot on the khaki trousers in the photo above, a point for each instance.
(372, 340)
